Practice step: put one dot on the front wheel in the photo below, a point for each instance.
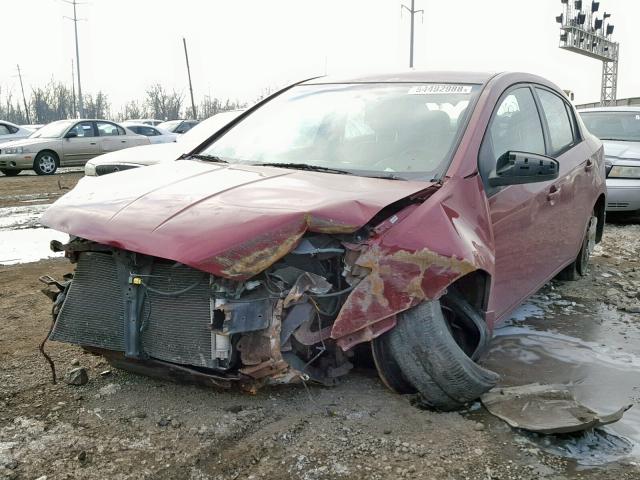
(422, 352)
(10, 173)
(46, 163)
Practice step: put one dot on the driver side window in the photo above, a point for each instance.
(83, 129)
(515, 126)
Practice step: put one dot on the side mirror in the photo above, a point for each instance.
(71, 134)
(517, 168)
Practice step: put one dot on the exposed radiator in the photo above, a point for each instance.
(175, 328)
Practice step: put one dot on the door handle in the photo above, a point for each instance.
(588, 166)
(92, 143)
(554, 193)
(123, 141)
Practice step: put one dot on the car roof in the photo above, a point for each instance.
(408, 76)
(610, 109)
(131, 124)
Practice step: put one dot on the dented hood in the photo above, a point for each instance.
(231, 220)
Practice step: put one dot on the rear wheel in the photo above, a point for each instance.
(10, 173)
(422, 353)
(46, 163)
(578, 268)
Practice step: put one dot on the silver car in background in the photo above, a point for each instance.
(619, 130)
(152, 154)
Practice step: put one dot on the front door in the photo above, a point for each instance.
(84, 146)
(522, 216)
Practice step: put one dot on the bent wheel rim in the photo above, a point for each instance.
(47, 164)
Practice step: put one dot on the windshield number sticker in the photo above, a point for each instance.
(437, 89)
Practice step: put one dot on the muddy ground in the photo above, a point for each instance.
(122, 426)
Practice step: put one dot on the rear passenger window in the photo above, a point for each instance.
(558, 120)
(148, 131)
(4, 130)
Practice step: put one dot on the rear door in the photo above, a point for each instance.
(573, 191)
(151, 133)
(522, 216)
(112, 137)
(84, 146)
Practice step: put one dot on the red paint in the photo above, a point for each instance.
(207, 216)
(212, 217)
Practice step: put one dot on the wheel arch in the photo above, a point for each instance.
(474, 287)
(48, 150)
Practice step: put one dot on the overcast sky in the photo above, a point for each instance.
(238, 48)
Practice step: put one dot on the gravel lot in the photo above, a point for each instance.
(123, 426)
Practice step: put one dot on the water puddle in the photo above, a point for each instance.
(596, 352)
(22, 237)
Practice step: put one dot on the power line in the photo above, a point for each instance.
(186, 56)
(75, 21)
(412, 11)
(73, 89)
(24, 99)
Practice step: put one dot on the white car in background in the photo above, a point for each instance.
(619, 130)
(10, 131)
(145, 121)
(154, 134)
(165, 152)
(178, 126)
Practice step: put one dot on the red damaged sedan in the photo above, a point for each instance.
(411, 212)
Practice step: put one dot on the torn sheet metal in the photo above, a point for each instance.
(414, 256)
(547, 409)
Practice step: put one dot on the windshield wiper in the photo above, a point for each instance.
(207, 158)
(303, 166)
(386, 176)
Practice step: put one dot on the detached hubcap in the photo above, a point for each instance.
(47, 164)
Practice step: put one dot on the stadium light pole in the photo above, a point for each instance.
(584, 33)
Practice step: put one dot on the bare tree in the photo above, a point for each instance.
(96, 107)
(132, 109)
(11, 109)
(52, 102)
(162, 104)
(210, 106)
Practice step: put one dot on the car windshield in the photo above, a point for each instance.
(621, 126)
(170, 125)
(203, 130)
(53, 130)
(391, 129)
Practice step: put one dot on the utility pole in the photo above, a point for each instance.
(24, 99)
(186, 56)
(412, 11)
(75, 27)
(73, 90)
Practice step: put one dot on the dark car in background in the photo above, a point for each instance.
(409, 212)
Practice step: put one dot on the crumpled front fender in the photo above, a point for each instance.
(415, 256)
